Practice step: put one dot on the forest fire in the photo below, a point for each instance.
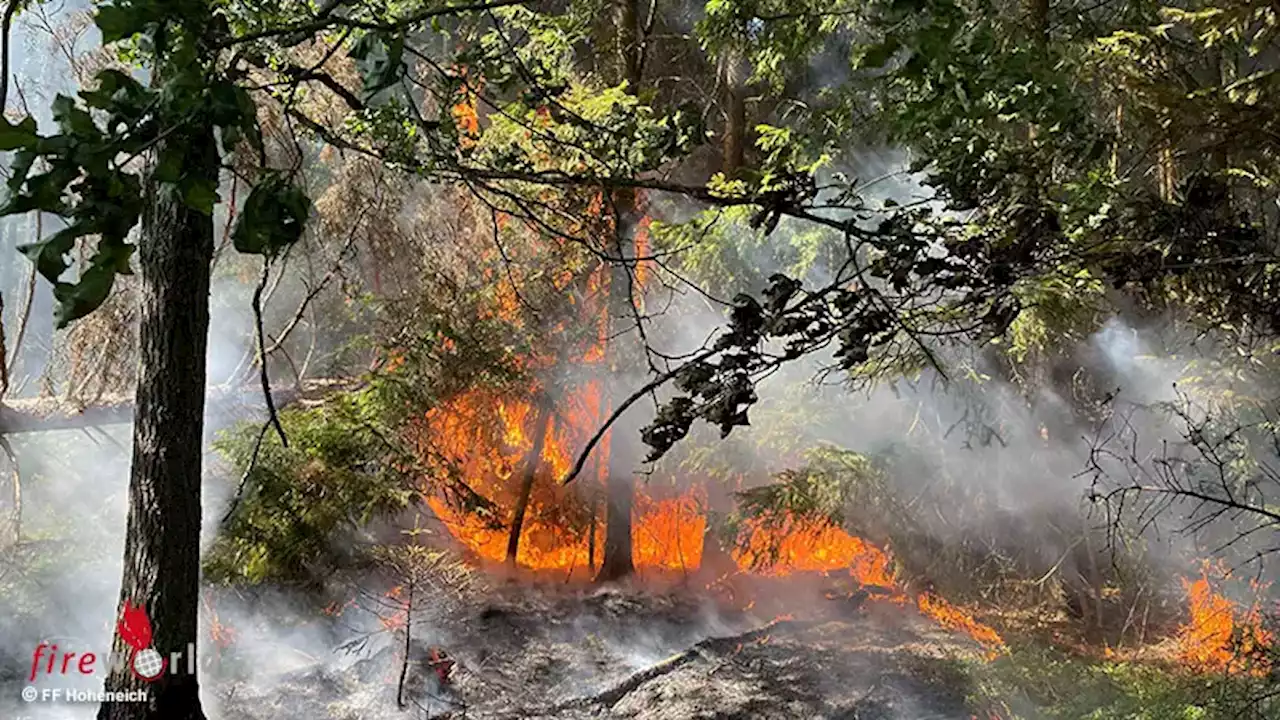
(493, 440)
(511, 450)
(1220, 635)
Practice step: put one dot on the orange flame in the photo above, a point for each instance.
(949, 616)
(1220, 636)
(490, 437)
(222, 635)
(465, 116)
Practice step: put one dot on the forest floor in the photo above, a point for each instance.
(531, 653)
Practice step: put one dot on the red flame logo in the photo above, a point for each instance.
(134, 626)
(135, 630)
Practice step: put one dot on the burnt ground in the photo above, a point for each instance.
(533, 653)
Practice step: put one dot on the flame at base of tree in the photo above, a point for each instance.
(1220, 635)
(667, 532)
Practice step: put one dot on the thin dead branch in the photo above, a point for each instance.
(711, 646)
(273, 420)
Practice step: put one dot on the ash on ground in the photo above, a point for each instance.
(609, 653)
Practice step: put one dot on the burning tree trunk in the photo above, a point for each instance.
(717, 562)
(541, 427)
(162, 542)
(617, 562)
(620, 493)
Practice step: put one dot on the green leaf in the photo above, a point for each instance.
(231, 136)
(50, 255)
(273, 217)
(23, 160)
(877, 55)
(43, 192)
(117, 22)
(169, 164)
(75, 300)
(200, 194)
(110, 82)
(73, 120)
(225, 108)
(20, 136)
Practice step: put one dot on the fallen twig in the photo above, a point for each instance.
(611, 695)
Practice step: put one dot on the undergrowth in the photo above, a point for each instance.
(1033, 681)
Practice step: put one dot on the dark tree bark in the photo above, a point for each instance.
(620, 496)
(162, 544)
(1037, 20)
(619, 485)
(15, 479)
(617, 562)
(541, 426)
(733, 75)
(620, 492)
(591, 532)
(4, 360)
(627, 43)
(717, 561)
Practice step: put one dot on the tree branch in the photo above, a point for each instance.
(304, 30)
(649, 387)
(272, 418)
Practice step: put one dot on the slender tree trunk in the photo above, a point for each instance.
(717, 561)
(1168, 170)
(1036, 23)
(620, 494)
(617, 562)
(733, 76)
(1118, 121)
(4, 360)
(1095, 585)
(408, 645)
(541, 426)
(162, 544)
(591, 533)
(627, 43)
(15, 475)
(1037, 20)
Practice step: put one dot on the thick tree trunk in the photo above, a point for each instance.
(162, 545)
(541, 426)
